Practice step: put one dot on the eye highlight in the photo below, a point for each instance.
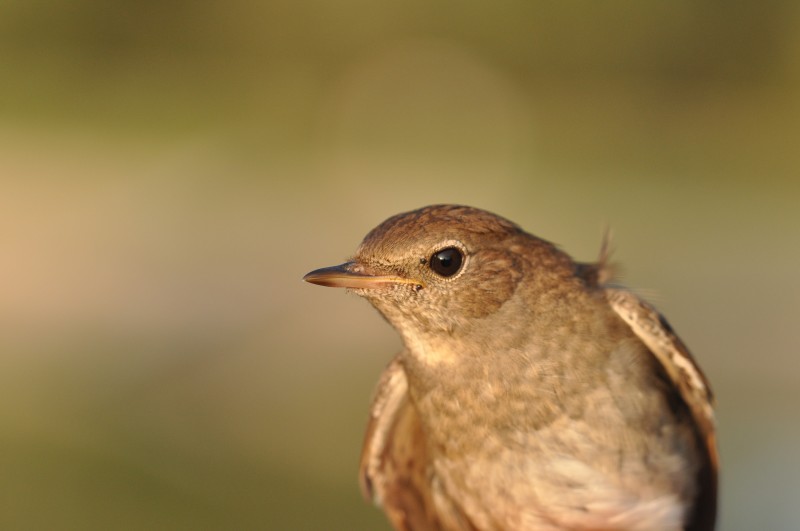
(447, 262)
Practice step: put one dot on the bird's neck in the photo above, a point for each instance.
(496, 379)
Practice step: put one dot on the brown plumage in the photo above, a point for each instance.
(530, 393)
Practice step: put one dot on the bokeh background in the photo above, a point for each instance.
(170, 169)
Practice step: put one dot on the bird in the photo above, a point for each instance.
(532, 392)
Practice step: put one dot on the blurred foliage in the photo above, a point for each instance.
(169, 170)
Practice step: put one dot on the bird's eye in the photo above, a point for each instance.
(447, 262)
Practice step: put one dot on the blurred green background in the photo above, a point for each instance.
(170, 169)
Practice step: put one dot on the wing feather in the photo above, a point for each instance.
(655, 332)
(394, 471)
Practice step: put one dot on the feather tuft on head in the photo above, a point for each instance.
(602, 271)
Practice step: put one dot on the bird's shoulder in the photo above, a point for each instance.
(686, 377)
(394, 470)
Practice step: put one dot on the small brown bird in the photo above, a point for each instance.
(531, 394)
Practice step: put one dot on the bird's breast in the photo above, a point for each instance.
(552, 428)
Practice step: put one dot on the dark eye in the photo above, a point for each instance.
(447, 262)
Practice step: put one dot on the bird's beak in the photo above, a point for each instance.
(352, 275)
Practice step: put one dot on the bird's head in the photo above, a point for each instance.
(435, 269)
